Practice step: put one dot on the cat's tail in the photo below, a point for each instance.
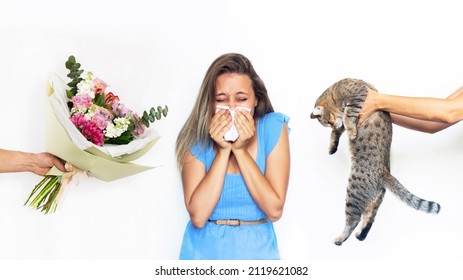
(392, 184)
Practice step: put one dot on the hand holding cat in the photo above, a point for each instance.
(369, 106)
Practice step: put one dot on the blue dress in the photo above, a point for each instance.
(222, 242)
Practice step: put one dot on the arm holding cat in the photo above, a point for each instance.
(424, 114)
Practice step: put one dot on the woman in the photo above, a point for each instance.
(424, 114)
(233, 190)
(38, 163)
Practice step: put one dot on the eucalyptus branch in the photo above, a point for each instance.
(154, 115)
(74, 74)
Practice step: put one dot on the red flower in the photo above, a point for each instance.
(110, 98)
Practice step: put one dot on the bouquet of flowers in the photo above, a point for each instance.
(94, 132)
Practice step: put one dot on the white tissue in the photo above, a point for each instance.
(232, 134)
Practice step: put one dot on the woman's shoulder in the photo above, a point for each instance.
(274, 119)
(270, 128)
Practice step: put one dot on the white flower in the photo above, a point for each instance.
(88, 75)
(122, 122)
(114, 131)
(111, 131)
(86, 87)
(90, 112)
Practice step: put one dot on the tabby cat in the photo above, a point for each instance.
(338, 107)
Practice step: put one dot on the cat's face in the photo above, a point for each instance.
(327, 114)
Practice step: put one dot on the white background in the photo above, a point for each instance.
(157, 54)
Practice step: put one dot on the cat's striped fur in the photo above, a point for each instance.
(338, 107)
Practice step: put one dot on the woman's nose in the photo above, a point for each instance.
(231, 105)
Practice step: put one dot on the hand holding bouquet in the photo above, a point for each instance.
(105, 135)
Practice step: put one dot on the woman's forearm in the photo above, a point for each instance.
(424, 108)
(263, 193)
(15, 161)
(205, 195)
(419, 113)
(419, 125)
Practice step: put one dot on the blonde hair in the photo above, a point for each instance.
(195, 129)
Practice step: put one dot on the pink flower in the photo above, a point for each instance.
(100, 121)
(110, 98)
(99, 86)
(107, 114)
(89, 129)
(81, 101)
(138, 126)
(121, 110)
(78, 120)
(93, 134)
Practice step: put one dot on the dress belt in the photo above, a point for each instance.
(236, 222)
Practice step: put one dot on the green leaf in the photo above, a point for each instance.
(145, 122)
(99, 100)
(69, 94)
(151, 117)
(71, 60)
(145, 116)
(125, 138)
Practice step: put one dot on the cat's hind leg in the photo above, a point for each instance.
(351, 222)
(354, 210)
(369, 216)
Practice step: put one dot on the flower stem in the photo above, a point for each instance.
(46, 192)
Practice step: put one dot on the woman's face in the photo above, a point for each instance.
(233, 89)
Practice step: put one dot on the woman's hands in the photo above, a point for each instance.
(43, 162)
(245, 126)
(222, 122)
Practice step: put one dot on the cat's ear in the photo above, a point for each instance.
(317, 111)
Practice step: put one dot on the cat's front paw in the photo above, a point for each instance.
(352, 135)
(332, 150)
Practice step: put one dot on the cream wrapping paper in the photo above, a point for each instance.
(64, 140)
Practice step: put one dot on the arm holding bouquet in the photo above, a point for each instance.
(93, 131)
(37, 163)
